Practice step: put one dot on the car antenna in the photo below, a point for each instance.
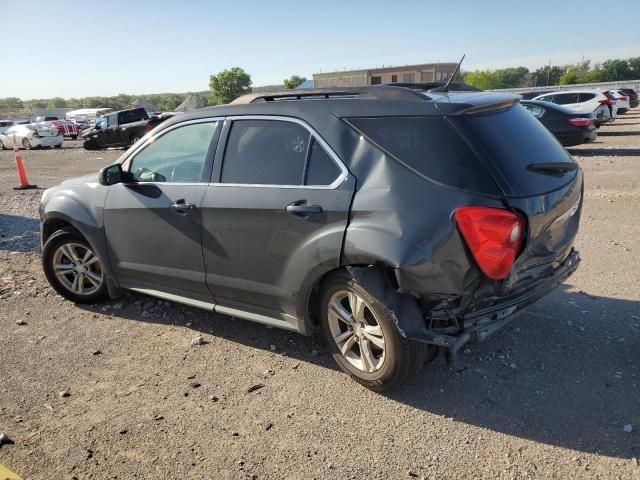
(445, 87)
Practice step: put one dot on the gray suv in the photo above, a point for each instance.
(394, 221)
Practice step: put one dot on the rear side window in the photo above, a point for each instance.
(431, 147)
(546, 98)
(585, 97)
(513, 140)
(275, 152)
(566, 98)
(321, 169)
(534, 110)
(265, 152)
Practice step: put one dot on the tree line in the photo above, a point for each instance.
(615, 70)
(226, 86)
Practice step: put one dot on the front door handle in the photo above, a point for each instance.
(181, 207)
(303, 210)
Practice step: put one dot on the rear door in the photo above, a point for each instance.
(274, 216)
(153, 224)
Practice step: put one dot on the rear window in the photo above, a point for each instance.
(431, 147)
(513, 140)
(585, 97)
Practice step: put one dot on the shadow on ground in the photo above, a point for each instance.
(19, 234)
(592, 152)
(564, 373)
(618, 134)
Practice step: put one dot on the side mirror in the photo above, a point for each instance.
(114, 174)
(97, 126)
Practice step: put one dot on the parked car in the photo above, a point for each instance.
(31, 136)
(633, 96)
(622, 101)
(584, 101)
(119, 129)
(569, 127)
(5, 124)
(66, 128)
(391, 221)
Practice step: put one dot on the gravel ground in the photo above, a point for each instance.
(119, 391)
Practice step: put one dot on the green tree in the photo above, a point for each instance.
(57, 102)
(294, 81)
(482, 79)
(547, 75)
(512, 77)
(615, 70)
(11, 104)
(228, 85)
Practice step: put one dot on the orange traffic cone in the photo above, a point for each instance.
(22, 175)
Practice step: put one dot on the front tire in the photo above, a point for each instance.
(362, 337)
(26, 144)
(73, 269)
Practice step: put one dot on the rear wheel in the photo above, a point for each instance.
(73, 269)
(89, 145)
(26, 144)
(57, 146)
(361, 335)
(134, 139)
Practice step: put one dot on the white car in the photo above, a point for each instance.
(603, 108)
(622, 100)
(31, 136)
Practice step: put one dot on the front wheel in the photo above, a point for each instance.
(73, 269)
(361, 335)
(26, 144)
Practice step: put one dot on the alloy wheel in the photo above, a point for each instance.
(356, 331)
(77, 268)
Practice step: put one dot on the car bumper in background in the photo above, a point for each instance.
(46, 141)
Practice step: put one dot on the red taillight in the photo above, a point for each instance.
(493, 236)
(624, 99)
(148, 127)
(606, 101)
(581, 122)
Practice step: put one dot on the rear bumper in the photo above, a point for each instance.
(481, 324)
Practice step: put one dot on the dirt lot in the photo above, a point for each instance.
(548, 397)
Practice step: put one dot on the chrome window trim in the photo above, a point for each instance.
(128, 156)
(344, 173)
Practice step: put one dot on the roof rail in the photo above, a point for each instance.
(378, 92)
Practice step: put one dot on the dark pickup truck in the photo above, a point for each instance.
(119, 129)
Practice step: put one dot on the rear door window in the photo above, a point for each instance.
(512, 140)
(265, 152)
(585, 97)
(430, 147)
(565, 98)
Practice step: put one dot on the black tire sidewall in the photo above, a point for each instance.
(392, 370)
(56, 240)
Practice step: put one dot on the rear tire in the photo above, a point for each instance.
(26, 144)
(375, 354)
(57, 146)
(134, 139)
(89, 145)
(73, 269)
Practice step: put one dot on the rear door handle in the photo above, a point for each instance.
(182, 207)
(303, 210)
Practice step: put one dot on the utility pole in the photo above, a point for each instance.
(548, 72)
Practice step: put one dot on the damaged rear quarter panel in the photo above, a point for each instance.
(404, 222)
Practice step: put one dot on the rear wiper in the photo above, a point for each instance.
(553, 168)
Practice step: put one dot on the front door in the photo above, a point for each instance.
(153, 224)
(275, 217)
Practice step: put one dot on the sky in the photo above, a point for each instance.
(144, 46)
